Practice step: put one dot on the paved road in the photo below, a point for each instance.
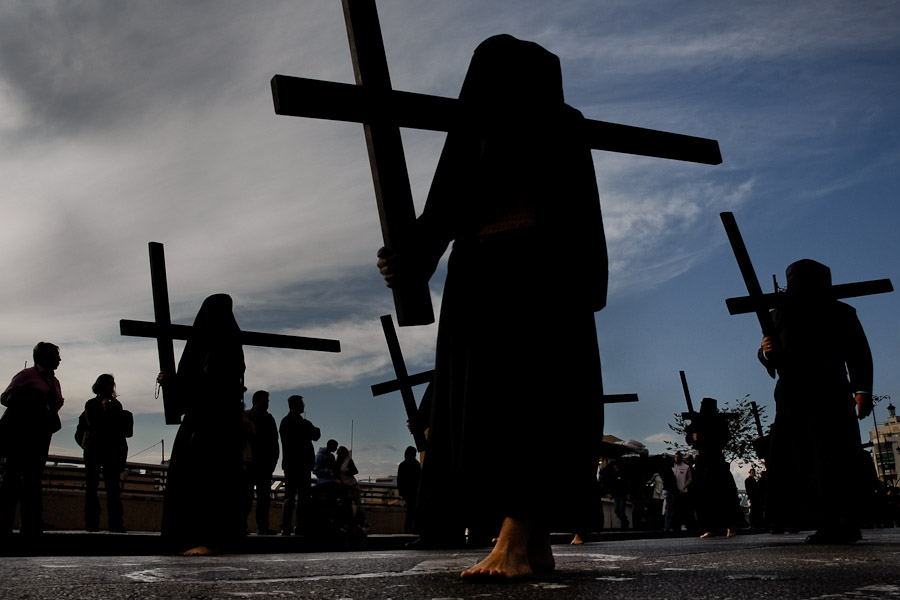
(752, 566)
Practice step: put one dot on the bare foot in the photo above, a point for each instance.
(200, 551)
(577, 541)
(706, 535)
(731, 533)
(509, 558)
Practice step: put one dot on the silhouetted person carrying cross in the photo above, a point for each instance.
(204, 511)
(813, 466)
(713, 486)
(517, 364)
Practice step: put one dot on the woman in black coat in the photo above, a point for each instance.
(106, 425)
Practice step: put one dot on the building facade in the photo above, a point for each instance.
(885, 438)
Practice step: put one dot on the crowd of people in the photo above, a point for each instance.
(330, 511)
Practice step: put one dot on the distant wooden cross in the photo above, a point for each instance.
(758, 302)
(383, 111)
(404, 383)
(691, 414)
(165, 331)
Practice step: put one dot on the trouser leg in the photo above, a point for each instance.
(304, 502)
(113, 497)
(263, 483)
(290, 502)
(10, 492)
(91, 501)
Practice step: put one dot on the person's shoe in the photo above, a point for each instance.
(266, 532)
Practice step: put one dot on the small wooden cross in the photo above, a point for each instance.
(383, 111)
(165, 331)
(691, 414)
(760, 303)
(404, 383)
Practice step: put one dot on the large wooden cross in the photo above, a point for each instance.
(404, 383)
(383, 111)
(758, 302)
(165, 331)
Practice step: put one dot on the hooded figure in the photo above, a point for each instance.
(516, 413)
(204, 506)
(822, 359)
(713, 485)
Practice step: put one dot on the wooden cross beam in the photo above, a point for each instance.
(383, 111)
(165, 331)
(691, 413)
(745, 304)
(404, 382)
(761, 303)
(756, 419)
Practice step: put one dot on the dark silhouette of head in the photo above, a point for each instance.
(46, 355)
(105, 386)
(260, 400)
(808, 280)
(331, 445)
(410, 453)
(709, 405)
(295, 403)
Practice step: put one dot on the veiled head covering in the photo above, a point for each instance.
(519, 139)
(512, 76)
(808, 280)
(709, 405)
(213, 355)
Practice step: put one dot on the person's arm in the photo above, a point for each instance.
(859, 367)
(768, 355)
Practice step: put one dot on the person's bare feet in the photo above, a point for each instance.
(512, 556)
(577, 541)
(200, 551)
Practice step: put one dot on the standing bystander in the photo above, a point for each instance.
(264, 452)
(299, 455)
(32, 400)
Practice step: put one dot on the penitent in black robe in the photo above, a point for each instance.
(517, 415)
(204, 501)
(814, 466)
(713, 488)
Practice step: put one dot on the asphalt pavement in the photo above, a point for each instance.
(748, 566)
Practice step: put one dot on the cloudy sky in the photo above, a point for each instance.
(124, 123)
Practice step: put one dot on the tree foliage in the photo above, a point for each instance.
(742, 429)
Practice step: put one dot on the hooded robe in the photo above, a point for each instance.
(204, 502)
(822, 361)
(516, 415)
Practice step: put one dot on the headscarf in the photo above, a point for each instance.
(213, 359)
(517, 135)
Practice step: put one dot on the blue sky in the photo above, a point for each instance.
(124, 123)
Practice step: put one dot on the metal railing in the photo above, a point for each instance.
(67, 473)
